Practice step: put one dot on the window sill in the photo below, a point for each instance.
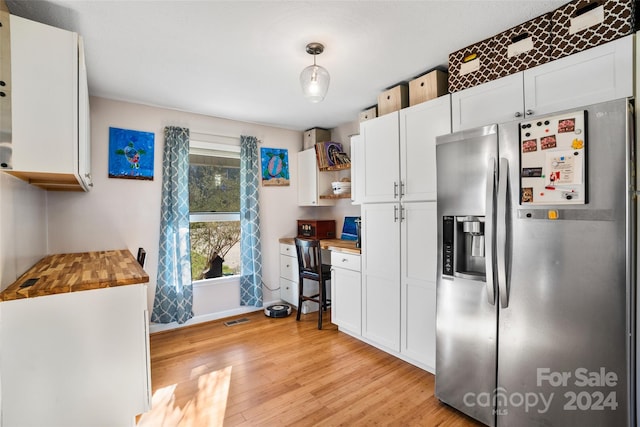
(216, 281)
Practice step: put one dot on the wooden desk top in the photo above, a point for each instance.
(338, 245)
(77, 272)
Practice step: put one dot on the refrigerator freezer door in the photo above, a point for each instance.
(564, 337)
(466, 321)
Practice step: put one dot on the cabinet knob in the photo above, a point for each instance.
(529, 112)
(518, 114)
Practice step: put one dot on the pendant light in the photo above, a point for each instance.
(314, 79)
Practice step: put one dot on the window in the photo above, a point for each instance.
(214, 205)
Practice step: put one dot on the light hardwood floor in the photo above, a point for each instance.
(279, 372)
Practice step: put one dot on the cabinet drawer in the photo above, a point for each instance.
(344, 260)
(289, 291)
(287, 249)
(289, 267)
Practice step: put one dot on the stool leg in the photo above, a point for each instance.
(320, 304)
(324, 295)
(300, 281)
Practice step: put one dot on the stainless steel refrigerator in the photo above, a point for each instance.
(536, 275)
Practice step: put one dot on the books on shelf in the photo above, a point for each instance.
(331, 154)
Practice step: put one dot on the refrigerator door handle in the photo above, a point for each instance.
(501, 233)
(489, 229)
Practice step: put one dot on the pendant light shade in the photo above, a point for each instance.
(314, 79)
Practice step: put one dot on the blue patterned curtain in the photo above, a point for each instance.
(251, 279)
(174, 297)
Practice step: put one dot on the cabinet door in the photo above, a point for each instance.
(82, 356)
(418, 282)
(346, 299)
(381, 274)
(84, 122)
(307, 178)
(289, 268)
(44, 73)
(381, 163)
(289, 291)
(357, 178)
(599, 74)
(311, 182)
(419, 126)
(497, 101)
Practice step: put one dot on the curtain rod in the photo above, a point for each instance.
(206, 137)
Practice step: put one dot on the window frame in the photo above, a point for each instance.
(215, 146)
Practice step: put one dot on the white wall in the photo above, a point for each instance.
(23, 233)
(123, 213)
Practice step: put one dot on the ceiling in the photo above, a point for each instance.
(241, 60)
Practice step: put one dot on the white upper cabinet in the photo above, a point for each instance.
(419, 127)
(496, 101)
(381, 159)
(596, 75)
(399, 157)
(357, 169)
(599, 74)
(312, 183)
(49, 106)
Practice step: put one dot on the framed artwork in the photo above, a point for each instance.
(130, 154)
(275, 166)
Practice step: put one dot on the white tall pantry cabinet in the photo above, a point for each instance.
(399, 229)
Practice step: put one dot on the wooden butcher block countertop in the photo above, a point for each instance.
(63, 273)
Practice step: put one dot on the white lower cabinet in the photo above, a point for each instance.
(289, 279)
(288, 274)
(381, 274)
(76, 359)
(419, 236)
(346, 291)
(399, 256)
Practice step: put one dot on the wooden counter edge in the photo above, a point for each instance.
(337, 245)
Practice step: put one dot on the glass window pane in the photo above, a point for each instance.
(215, 249)
(214, 184)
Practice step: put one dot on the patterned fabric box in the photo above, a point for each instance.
(583, 24)
(524, 46)
(472, 65)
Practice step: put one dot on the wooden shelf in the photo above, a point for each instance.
(335, 168)
(336, 196)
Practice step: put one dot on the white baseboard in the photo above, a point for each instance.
(158, 327)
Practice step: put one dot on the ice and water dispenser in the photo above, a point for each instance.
(463, 247)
